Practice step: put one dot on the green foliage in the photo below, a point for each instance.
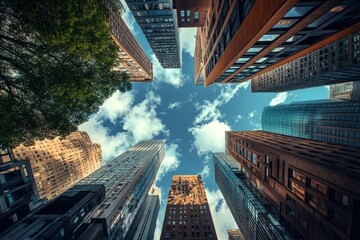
(56, 58)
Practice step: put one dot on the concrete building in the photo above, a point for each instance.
(59, 164)
(144, 224)
(314, 186)
(187, 214)
(128, 179)
(235, 234)
(235, 44)
(61, 218)
(131, 57)
(158, 21)
(345, 91)
(18, 194)
(325, 120)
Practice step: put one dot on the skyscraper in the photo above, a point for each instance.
(314, 186)
(104, 204)
(187, 213)
(127, 179)
(158, 21)
(144, 224)
(345, 91)
(235, 234)
(18, 194)
(59, 164)
(253, 214)
(62, 217)
(131, 57)
(235, 44)
(326, 120)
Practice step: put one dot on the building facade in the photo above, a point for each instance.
(253, 214)
(144, 224)
(237, 45)
(128, 179)
(345, 91)
(18, 194)
(158, 21)
(131, 57)
(329, 121)
(336, 62)
(314, 186)
(192, 13)
(187, 214)
(60, 218)
(59, 164)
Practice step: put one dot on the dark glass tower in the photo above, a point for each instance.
(253, 214)
(158, 21)
(18, 194)
(327, 121)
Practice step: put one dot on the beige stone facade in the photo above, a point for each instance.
(58, 164)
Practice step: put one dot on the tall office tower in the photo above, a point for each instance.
(314, 186)
(59, 164)
(144, 224)
(325, 120)
(158, 21)
(235, 234)
(345, 91)
(131, 57)
(237, 45)
(253, 214)
(62, 217)
(128, 179)
(18, 195)
(187, 213)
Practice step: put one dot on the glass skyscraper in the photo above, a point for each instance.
(158, 21)
(254, 215)
(128, 179)
(326, 120)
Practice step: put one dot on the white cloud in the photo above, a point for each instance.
(116, 106)
(280, 98)
(140, 122)
(174, 77)
(220, 213)
(254, 118)
(209, 111)
(205, 172)
(175, 105)
(209, 137)
(208, 131)
(238, 118)
(188, 40)
(171, 161)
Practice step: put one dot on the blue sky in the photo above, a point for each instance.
(191, 118)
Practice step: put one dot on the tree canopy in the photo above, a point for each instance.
(56, 58)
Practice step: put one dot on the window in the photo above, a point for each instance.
(242, 60)
(196, 16)
(278, 49)
(318, 186)
(297, 175)
(268, 37)
(254, 50)
(297, 189)
(317, 204)
(297, 12)
(285, 23)
(182, 13)
(261, 60)
(188, 13)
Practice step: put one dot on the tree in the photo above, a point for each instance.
(56, 58)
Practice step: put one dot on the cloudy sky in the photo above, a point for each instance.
(191, 118)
